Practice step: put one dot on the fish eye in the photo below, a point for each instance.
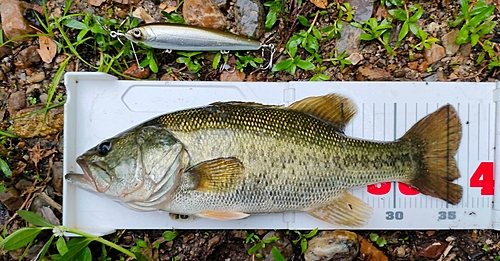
(104, 148)
(137, 34)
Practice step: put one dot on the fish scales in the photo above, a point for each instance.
(289, 158)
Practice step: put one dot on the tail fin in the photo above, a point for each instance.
(437, 136)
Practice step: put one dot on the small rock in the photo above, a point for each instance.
(36, 77)
(369, 252)
(433, 77)
(43, 97)
(167, 77)
(95, 2)
(57, 176)
(430, 232)
(363, 9)
(213, 241)
(333, 245)
(234, 76)
(433, 249)
(34, 250)
(203, 13)
(399, 73)
(23, 184)
(400, 251)
(465, 50)
(373, 74)
(36, 124)
(450, 239)
(2, 76)
(448, 41)
(4, 51)
(17, 101)
(423, 67)
(11, 199)
(188, 238)
(284, 246)
(250, 18)
(134, 71)
(4, 215)
(4, 94)
(240, 234)
(13, 22)
(413, 65)
(355, 58)
(349, 41)
(27, 58)
(222, 4)
(434, 54)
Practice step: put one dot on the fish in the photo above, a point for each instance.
(228, 160)
(189, 38)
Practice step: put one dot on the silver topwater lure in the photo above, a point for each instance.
(191, 38)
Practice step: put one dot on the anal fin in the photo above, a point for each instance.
(346, 210)
(223, 215)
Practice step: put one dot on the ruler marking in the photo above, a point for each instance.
(468, 154)
(489, 130)
(478, 130)
(394, 138)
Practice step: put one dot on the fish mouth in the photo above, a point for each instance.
(86, 172)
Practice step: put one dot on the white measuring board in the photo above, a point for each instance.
(99, 106)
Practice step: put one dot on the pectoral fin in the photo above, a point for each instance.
(332, 108)
(216, 175)
(345, 210)
(223, 215)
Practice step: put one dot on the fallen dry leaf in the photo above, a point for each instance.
(48, 49)
(95, 2)
(36, 154)
(370, 253)
(143, 14)
(320, 3)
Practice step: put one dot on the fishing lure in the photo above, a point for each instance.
(191, 38)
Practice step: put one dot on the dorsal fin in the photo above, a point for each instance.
(332, 108)
(245, 103)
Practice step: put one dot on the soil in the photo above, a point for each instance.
(36, 162)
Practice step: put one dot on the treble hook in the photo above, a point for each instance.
(224, 66)
(117, 35)
(273, 50)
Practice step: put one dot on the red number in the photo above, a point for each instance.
(379, 188)
(483, 178)
(407, 190)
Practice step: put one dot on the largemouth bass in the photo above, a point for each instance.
(232, 159)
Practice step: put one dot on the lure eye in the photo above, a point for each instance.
(104, 148)
(137, 34)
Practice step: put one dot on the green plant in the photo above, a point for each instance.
(403, 240)
(476, 19)
(275, 8)
(174, 17)
(290, 65)
(390, 3)
(377, 31)
(424, 41)
(409, 20)
(302, 238)
(75, 249)
(338, 59)
(380, 241)
(485, 248)
(260, 244)
(245, 60)
(32, 100)
(488, 50)
(190, 59)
